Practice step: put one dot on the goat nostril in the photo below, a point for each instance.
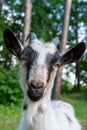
(36, 85)
(33, 84)
(40, 85)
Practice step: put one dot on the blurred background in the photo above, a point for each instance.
(47, 22)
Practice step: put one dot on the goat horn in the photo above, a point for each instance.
(55, 41)
(31, 36)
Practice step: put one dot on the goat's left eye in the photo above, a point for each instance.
(57, 65)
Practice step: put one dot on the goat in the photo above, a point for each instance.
(38, 64)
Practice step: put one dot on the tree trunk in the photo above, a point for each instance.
(57, 89)
(27, 20)
(77, 80)
(57, 85)
(78, 88)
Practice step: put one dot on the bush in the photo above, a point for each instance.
(66, 86)
(9, 86)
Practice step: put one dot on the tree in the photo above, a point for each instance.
(57, 85)
(77, 77)
(27, 19)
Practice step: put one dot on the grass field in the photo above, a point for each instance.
(79, 101)
(10, 115)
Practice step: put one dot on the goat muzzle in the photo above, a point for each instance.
(35, 91)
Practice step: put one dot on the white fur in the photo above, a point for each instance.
(45, 114)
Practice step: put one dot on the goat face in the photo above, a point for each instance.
(39, 63)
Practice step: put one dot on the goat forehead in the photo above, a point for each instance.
(43, 48)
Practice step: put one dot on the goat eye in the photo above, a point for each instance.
(57, 65)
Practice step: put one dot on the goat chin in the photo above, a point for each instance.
(45, 115)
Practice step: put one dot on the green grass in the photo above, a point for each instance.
(79, 102)
(10, 114)
(9, 117)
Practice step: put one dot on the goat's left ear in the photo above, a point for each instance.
(73, 54)
(12, 43)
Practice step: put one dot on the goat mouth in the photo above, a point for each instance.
(35, 94)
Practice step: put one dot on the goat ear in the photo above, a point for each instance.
(73, 54)
(12, 43)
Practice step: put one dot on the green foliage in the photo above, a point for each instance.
(47, 17)
(9, 117)
(66, 86)
(9, 86)
(83, 67)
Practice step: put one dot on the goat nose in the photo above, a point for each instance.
(36, 85)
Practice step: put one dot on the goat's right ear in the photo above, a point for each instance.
(12, 43)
